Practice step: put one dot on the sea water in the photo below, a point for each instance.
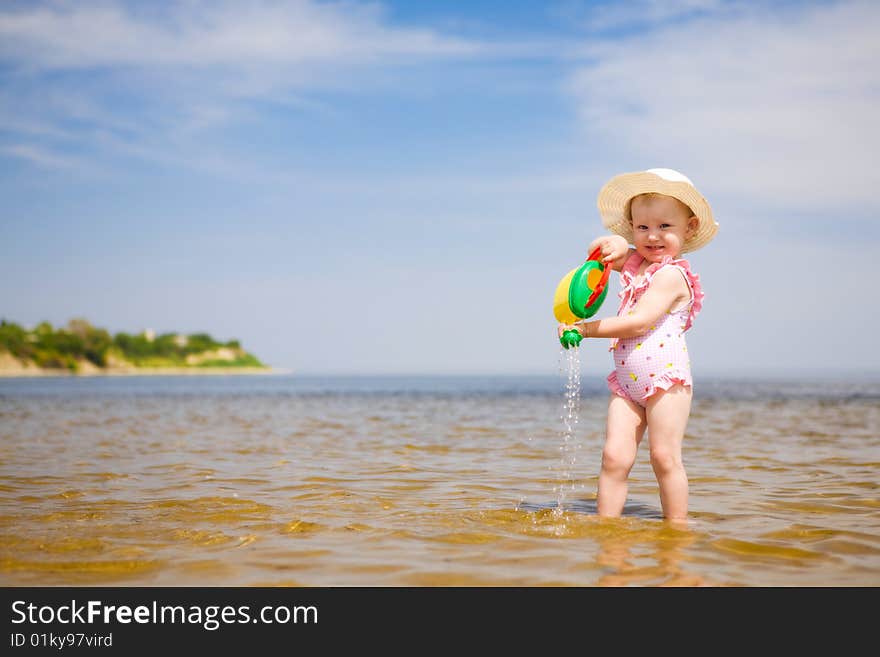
(435, 481)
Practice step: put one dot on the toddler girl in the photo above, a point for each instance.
(661, 213)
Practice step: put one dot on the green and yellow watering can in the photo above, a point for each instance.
(580, 294)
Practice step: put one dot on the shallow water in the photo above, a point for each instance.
(283, 480)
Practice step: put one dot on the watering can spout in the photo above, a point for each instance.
(570, 338)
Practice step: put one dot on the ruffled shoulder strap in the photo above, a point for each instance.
(627, 289)
(692, 279)
(628, 272)
(630, 267)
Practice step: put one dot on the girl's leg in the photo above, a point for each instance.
(667, 414)
(623, 433)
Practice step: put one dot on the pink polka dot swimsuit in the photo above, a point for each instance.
(658, 359)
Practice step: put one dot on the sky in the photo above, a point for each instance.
(398, 187)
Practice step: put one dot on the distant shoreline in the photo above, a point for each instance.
(81, 349)
(141, 371)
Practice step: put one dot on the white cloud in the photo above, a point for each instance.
(40, 156)
(773, 104)
(143, 79)
(94, 34)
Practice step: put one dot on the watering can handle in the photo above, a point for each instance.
(606, 272)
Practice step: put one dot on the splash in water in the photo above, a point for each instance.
(570, 364)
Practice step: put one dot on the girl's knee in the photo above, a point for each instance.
(665, 460)
(618, 461)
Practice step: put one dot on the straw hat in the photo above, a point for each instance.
(615, 196)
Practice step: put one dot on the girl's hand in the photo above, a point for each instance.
(613, 247)
(562, 328)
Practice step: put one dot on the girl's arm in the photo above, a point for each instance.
(666, 291)
(615, 250)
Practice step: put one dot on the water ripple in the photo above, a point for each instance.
(471, 483)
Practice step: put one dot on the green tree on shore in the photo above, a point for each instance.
(79, 341)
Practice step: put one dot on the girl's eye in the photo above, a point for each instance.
(642, 227)
(664, 226)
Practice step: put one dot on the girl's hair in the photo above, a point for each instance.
(653, 195)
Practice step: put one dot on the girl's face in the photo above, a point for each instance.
(661, 224)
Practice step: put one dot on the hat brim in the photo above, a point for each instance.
(615, 196)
